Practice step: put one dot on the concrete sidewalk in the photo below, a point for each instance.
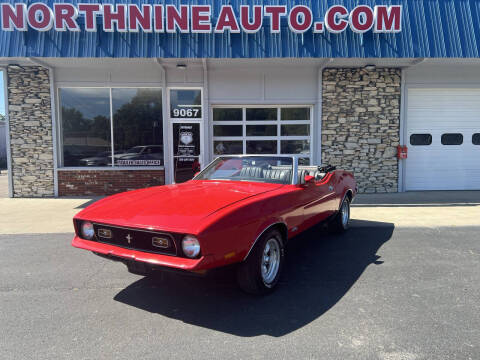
(39, 216)
(3, 184)
(414, 209)
(420, 208)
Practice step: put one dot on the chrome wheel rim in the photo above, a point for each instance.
(345, 214)
(270, 261)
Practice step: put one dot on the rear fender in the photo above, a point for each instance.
(346, 186)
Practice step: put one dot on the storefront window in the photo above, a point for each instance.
(137, 127)
(296, 114)
(262, 130)
(86, 135)
(227, 130)
(295, 130)
(261, 147)
(227, 114)
(228, 147)
(257, 114)
(295, 146)
(87, 127)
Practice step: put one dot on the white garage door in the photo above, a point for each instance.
(443, 139)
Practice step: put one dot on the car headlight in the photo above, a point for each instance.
(87, 230)
(190, 246)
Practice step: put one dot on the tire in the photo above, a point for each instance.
(259, 276)
(340, 222)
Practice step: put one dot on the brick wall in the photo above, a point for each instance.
(106, 182)
(361, 125)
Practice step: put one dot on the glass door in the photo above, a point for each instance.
(186, 150)
(186, 135)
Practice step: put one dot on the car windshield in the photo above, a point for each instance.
(266, 169)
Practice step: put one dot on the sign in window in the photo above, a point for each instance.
(185, 104)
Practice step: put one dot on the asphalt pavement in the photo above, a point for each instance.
(380, 291)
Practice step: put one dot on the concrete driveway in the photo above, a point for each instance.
(402, 283)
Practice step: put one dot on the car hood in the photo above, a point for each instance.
(172, 207)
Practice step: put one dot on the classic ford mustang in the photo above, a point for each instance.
(239, 210)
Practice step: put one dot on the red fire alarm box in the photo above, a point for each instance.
(402, 152)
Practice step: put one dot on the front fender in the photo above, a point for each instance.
(230, 235)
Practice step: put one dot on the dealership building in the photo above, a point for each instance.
(103, 97)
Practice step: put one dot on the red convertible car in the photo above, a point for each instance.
(239, 210)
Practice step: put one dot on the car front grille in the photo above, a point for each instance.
(136, 239)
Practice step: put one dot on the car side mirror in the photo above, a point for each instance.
(198, 172)
(309, 179)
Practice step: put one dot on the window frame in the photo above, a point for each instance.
(111, 167)
(278, 122)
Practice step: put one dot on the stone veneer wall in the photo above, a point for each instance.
(361, 125)
(106, 182)
(31, 139)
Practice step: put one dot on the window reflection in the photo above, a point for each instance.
(284, 129)
(85, 126)
(262, 147)
(295, 113)
(220, 114)
(261, 114)
(228, 147)
(295, 146)
(137, 127)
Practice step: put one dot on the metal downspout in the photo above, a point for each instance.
(165, 124)
(207, 157)
(317, 125)
(403, 120)
(7, 132)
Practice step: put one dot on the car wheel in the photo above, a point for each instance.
(341, 221)
(260, 272)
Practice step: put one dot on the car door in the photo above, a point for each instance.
(320, 195)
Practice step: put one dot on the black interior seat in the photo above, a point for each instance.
(301, 176)
(280, 175)
(251, 172)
